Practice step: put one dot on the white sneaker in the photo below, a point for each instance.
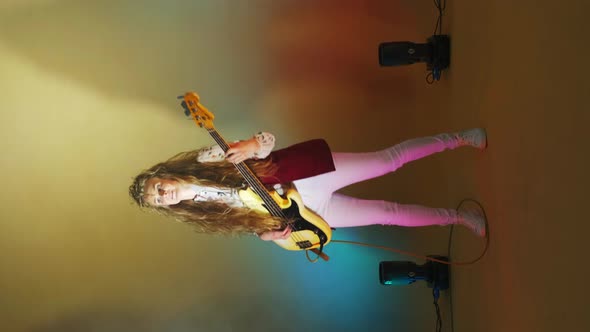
(473, 220)
(474, 137)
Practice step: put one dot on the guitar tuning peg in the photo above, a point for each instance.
(187, 112)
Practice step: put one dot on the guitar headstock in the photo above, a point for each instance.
(193, 108)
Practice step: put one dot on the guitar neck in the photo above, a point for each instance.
(249, 176)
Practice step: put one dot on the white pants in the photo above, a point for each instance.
(338, 210)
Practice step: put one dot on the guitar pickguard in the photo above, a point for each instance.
(308, 229)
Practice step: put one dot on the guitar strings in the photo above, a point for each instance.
(250, 178)
(256, 185)
(271, 205)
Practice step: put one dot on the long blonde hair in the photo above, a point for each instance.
(207, 217)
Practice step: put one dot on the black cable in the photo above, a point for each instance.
(450, 259)
(435, 294)
(440, 5)
(435, 290)
(430, 77)
(449, 256)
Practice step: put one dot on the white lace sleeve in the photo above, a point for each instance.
(267, 143)
(210, 154)
(215, 153)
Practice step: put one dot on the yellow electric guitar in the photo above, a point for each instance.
(309, 231)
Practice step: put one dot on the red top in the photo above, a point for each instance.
(300, 161)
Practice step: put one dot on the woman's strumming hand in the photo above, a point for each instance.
(276, 235)
(242, 150)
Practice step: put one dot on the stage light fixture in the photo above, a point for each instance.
(435, 53)
(435, 274)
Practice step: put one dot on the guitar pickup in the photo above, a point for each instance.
(304, 244)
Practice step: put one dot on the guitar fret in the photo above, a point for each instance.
(262, 193)
(250, 178)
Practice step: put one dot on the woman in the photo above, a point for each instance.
(200, 187)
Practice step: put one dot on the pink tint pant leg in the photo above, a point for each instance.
(338, 210)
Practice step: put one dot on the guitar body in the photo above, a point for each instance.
(309, 231)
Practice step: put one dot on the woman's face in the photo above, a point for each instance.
(162, 192)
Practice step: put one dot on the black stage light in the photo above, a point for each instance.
(435, 274)
(435, 53)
